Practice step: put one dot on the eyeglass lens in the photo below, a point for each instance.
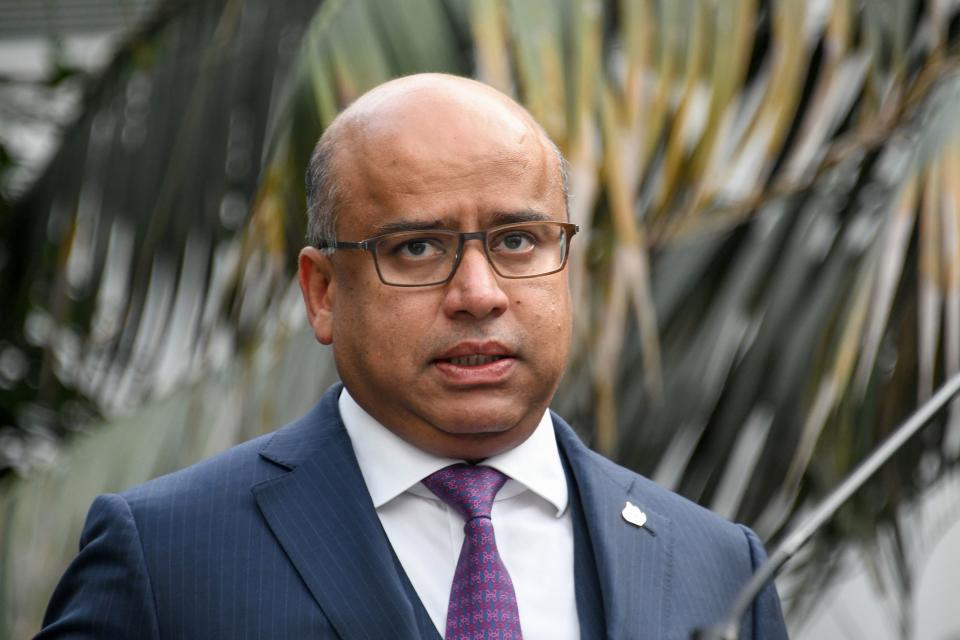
(515, 251)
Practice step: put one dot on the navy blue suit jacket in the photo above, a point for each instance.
(278, 538)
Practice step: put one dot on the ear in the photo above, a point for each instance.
(318, 286)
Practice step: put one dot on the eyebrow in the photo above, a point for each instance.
(508, 217)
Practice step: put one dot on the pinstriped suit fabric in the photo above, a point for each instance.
(590, 610)
(335, 538)
(278, 538)
(114, 560)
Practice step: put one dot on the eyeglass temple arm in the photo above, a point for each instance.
(344, 245)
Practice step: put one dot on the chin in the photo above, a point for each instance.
(479, 430)
(474, 447)
(480, 417)
(475, 435)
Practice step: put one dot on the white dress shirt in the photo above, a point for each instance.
(531, 521)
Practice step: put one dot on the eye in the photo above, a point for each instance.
(515, 241)
(418, 248)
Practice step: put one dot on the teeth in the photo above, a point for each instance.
(472, 361)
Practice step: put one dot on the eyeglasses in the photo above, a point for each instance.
(431, 257)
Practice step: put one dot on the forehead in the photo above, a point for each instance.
(462, 162)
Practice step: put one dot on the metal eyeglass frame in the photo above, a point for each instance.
(370, 244)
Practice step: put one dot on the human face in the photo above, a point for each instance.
(406, 354)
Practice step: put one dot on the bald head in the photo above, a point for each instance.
(453, 121)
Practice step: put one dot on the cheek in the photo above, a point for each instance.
(544, 313)
(549, 302)
(381, 326)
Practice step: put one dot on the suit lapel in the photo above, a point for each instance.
(323, 517)
(634, 564)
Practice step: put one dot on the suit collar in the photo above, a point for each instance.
(322, 515)
(634, 565)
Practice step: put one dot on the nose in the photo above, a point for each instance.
(474, 288)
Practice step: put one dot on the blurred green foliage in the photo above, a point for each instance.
(767, 281)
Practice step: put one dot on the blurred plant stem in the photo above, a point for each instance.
(767, 279)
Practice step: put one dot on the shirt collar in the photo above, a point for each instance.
(390, 465)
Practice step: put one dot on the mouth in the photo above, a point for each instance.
(473, 360)
(470, 364)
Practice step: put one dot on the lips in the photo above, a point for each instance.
(475, 352)
(471, 363)
(474, 360)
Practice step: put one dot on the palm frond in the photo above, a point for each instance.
(768, 278)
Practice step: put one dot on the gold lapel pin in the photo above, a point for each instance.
(632, 514)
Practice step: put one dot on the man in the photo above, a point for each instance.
(432, 494)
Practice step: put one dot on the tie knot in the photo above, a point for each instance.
(467, 488)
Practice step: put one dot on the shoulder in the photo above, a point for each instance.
(228, 476)
(702, 559)
(688, 520)
(686, 515)
(238, 466)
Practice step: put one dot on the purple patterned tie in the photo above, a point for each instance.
(483, 604)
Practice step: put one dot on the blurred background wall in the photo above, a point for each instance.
(767, 281)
